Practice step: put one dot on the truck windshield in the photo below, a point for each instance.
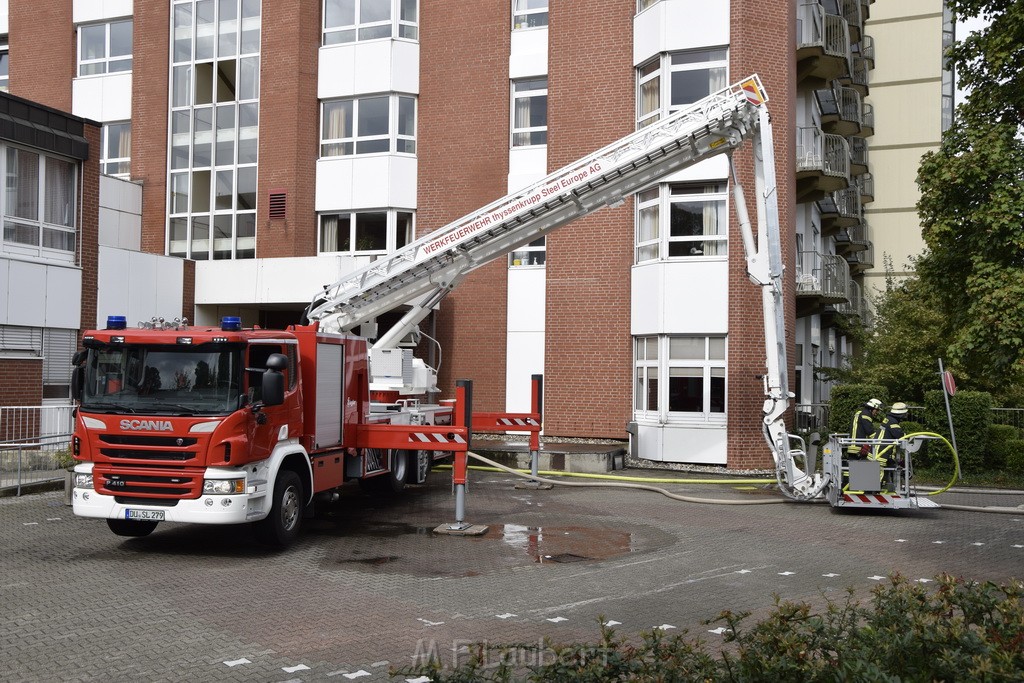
(165, 380)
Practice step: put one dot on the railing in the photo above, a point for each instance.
(866, 183)
(1008, 416)
(33, 461)
(858, 151)
(866, 47)
(850, 9)
(824, 275)
(818, 151)
(850, 105)
(31, 422)
(836, 277)
(867, 117)
(816, 28)
(848, 202)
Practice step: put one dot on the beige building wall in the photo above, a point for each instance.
(906, 92)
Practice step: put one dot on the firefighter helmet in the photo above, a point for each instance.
(874, 404)
(898, 409)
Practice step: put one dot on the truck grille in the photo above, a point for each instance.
(148, 448)
(148, 482)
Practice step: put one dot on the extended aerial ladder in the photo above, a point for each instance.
(420, 274)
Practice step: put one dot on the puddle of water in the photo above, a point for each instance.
(562, 544)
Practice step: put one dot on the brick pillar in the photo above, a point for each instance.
(591, 103)
(289, 126)
(763, 42)
(42, 51)
(89, 228)
(463, 143)
(150, 84)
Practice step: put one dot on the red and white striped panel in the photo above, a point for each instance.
(517, 422)
(435, 438)
(871, 498)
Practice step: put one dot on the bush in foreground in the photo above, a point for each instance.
(959, 630)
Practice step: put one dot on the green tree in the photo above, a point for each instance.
(972, 204)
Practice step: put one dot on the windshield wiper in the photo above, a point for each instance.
(109, 408)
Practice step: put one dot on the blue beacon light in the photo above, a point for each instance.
(116, 322)
(231, 323)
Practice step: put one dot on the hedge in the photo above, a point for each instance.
(847, 400)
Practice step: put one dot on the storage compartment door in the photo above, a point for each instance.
(330, 402)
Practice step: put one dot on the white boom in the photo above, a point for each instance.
(420, 274)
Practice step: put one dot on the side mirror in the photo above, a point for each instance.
(77, 382)
(273, 380)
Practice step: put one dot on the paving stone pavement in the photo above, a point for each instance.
(369, 586)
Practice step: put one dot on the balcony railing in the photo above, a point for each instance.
(825, 276)
(823, 40)
(854, 303)
(851, 11)
(818, 151)
(848, 204)
(866, 183)
(867, 121)
(858, 155)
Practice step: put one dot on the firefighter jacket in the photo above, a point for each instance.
(892, 430)
(863, 427)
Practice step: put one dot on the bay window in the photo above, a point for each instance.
(689, 76)
(365, 232)
(683, 220)
(368, 125)
(350, 21)
(680, 378)
(39, 203)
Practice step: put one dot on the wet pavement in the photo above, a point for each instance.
(369, 586)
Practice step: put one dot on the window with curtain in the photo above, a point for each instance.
(105, 48)
(695, 74)
(365, 232)
(530, 112)
(368, 125)
(116, 149)
(648, 100)
(39, 205)
(680, 378)
(681, 221)
(697, 222)
(5, 66)
(529, 14)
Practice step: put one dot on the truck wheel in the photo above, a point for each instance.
(132, 528)
(281, 526)
(394, 481)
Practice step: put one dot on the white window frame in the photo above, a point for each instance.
(116, 163)
(658, 358)
(5, 62)
(657, 76)
(398, 136)
(402, 22)
(400, 230)
(653, 238)
(531, 255)
(641, 5)
(525, 89)
(108, 63)
(65, 230)
(529, 14)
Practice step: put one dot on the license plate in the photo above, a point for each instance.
(147, 515)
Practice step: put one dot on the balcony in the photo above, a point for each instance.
(856, 303)
(865, 9)
(852, 239)
(866, 184)
(822, 164)
(867, 120)
(858, 77)
(822, 43)
(866, 50)
(840, 209)
(851, 11)
(821, 279)
(840, 110)
(858, 155)
(860, 261)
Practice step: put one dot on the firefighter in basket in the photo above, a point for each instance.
(888, 454)
(863, 428)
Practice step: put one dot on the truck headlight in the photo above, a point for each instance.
(224, 486)
(83, 480)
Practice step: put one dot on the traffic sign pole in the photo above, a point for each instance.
(948, 389)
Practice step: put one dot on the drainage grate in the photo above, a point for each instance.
(565, 557)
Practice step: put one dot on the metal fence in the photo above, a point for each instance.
(34, 445)
(33, 461)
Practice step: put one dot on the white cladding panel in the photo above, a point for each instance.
(676, 443)
(40, 294)
(273, 280)
(120, 213)
(529, 53)
(690, 297)
(103, 98)
(672, 25)
(85, 11)
(330, 386)
(524, 345)
(138, 285)
(365, 182)
(377, 66)
(526, 165)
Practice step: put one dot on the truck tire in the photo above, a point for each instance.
(131, 528)
(281, 527)
(394, 481)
